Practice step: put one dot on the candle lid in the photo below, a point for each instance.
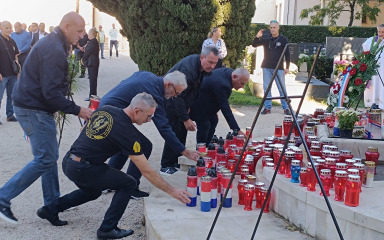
(310, 133)
(244, 166)
(350, 161)
(327, 142)
(206, 178)
(320, 161)
(359, 166)
(249, 187)
(340, 173)
(313, 138)
(250, 178)
(270, 164)
(289, 154)
(341, 166)
(372, 149)
(295, 163)
(278, 126)
(227, 174)
(334, 154)
(259, 184)
(243, 182)
(315, 143)
(264, 189)
(267, 149)
(268, 160)
(222, 163)
(209, 159)
(248, 161)
(311, 124)
(303, 170)
(240, 136)
(357, 160)
(232, 161)
(330, 161)
(315, 158)
(369, 163)
(326, 147)
(345, 151)
(245, 170)
(315, 148)
(353, 171)
(353, 178)
(333, 148)
(298, 151)
(375, 110)
(325, 172)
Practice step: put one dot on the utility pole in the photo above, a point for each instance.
(77, 5)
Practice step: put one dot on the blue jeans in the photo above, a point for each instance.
(206, 129)
(91, 180)
(102, 49)
(40, 127)
(8, 84)
(267, 75)
(111, 44)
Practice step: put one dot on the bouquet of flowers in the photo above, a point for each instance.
(351, 83)
(347, 119)
(340, 66)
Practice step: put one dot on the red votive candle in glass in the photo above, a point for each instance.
(244, 172)
(372, 154)
(321, 163)
(357, 160)
(251, 179)
(282, 167)
(312, 180)
(350, 163)
(330, 163)
(94, 102)
(208, 162)
(240, 141)
(201, 147)
(303, 177)
(315, 151)
(299, 155)
(231, 164)
(341, 166)
(258, 186)
(361, 168)
(289, 156)
(345, 154)
(335, 155)
(264, 192)
(278, 130)
(352, 193)
(249, 162)
(211, 152)
(248, 132)
(287, 125)
(240, 189)
(228, 140)
(340, 183)
(249, 192)
(326, 180)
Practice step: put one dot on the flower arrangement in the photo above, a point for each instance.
(347, 119)
(340, 66)
(352, 82)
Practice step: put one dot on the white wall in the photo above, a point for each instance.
(265, 11)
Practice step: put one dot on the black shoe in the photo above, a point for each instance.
(87, 99)
(177, 166)
(44, 213)
(266, 111)
(168, 171)
(116, 233)
(102, 57)
(137, 194)
(286, 112)
(7, 215)
(82, 76)
(11, 119)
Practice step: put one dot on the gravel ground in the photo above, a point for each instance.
(84, 220)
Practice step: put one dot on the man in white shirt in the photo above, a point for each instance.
(113, 41)
(101, 39)
(374, 93)
(42, 32)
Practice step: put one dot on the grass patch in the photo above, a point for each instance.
(245, 98)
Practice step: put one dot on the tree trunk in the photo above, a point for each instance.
(351, 16)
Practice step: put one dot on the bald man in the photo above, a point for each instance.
(40, 92)
(23, 41)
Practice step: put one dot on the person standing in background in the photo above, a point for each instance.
(101, 40)
(113, 41)
(34, 33)
(215, 40)
(23, 42)
(92, 62)
(42, 32)
(24, 25)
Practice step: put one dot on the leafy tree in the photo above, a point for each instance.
(162, 32)
(333, 9)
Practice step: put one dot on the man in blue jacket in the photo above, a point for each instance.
(39, 92)
(161, 89)
(195, 67)
(23, 41)
(213, 96)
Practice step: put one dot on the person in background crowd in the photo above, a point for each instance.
(51, 29)
(213, 96)
(215, 40)
(109, 131)
(24, 25)
(8, 53)
(91, 61)
(195, 67)
(101, 40)
(273, 48)
(113, 41)
(39, 92)
(374, 92)
(161, 88)
(23, 41)
(42, 32)
(79, 53)
(34, 33)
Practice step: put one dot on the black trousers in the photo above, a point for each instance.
(93, 73)
(169, 157)
(91, 180)
(118, 161)
(206, 129)
(21, 58)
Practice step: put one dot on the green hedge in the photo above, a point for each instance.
(315, 34)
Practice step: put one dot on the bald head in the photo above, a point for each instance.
(73, 26)
(18, 27)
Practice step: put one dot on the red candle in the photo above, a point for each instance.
(312, 180)
(258, 186)
(244, 172)
(289, 156)
(340, 182)
(345, 154)
(231, 165)
(240, 141)
(372, 154)
(278, 130)
(341, 166)
(240, 189)
(350, 163)
(299, 155)
(287, 125)
(248, 132)
(248, 196)
(352, 194)
(303, 177)
(330, 163)
(201, 147)
(326, 180)
(94, 102)
(208, 162)
(361, 168)
(264, 192)
(249, 162)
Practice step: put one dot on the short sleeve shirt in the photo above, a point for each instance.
(108, 131)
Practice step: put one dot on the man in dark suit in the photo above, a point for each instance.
(91, 61)
(213, 96)
(34, 33)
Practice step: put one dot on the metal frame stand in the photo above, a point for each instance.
(287, 99)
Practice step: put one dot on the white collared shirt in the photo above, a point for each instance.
(113, 34)
(220, 45)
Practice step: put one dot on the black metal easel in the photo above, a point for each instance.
(295, 123)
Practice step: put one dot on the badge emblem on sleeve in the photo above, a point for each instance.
(136, 147)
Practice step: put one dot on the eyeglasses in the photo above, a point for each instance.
(177, 93)
(149, 117)
(274, 21)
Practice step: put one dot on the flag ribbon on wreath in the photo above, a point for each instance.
(343, 88)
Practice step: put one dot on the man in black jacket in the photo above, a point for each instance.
(39, 92)
(213, 96)
(195, 67)
(91, 61)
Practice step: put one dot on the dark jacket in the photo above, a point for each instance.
(213, 96)
(91, 54)
(273, 49)
(121, 96)
(35, 37)
(43, 82)
(6, 69)
(179, 107)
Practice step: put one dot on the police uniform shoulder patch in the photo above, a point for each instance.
(136, 147)
(99, 125)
